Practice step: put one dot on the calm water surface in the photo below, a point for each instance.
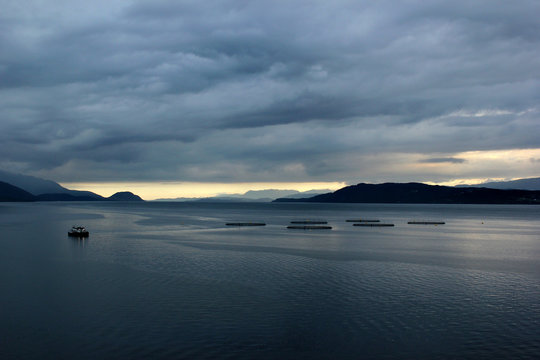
(171, 281)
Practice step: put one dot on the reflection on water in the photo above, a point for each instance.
(79, 241)
(158, 280)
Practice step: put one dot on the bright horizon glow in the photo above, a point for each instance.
(475, 181)
(171, 190)
(475, 164)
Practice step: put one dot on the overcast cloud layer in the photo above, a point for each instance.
(267, 91)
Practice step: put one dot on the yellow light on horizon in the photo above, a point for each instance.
(477, 167)
(473, 181)
(171, 190)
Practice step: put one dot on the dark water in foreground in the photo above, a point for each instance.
(170, 280)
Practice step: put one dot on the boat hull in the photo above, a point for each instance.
(78, 234)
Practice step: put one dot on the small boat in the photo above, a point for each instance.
(78, 231)
(373, 224)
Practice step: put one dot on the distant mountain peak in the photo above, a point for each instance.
(124, 196)
(266, 195)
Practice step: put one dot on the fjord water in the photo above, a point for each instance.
(170, 280)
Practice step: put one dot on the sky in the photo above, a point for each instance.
(185, 95)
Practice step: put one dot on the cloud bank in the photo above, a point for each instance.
(267, 91)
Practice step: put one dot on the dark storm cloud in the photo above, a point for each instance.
(251, 90)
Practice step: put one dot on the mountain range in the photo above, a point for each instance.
(38, 186)
(417, 193)
(17, 187)
(254, 196)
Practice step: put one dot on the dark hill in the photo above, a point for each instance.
(9, 192)
(124, 196)
(119, 196)
(48, 188)
(416, 193)
(69, 197)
